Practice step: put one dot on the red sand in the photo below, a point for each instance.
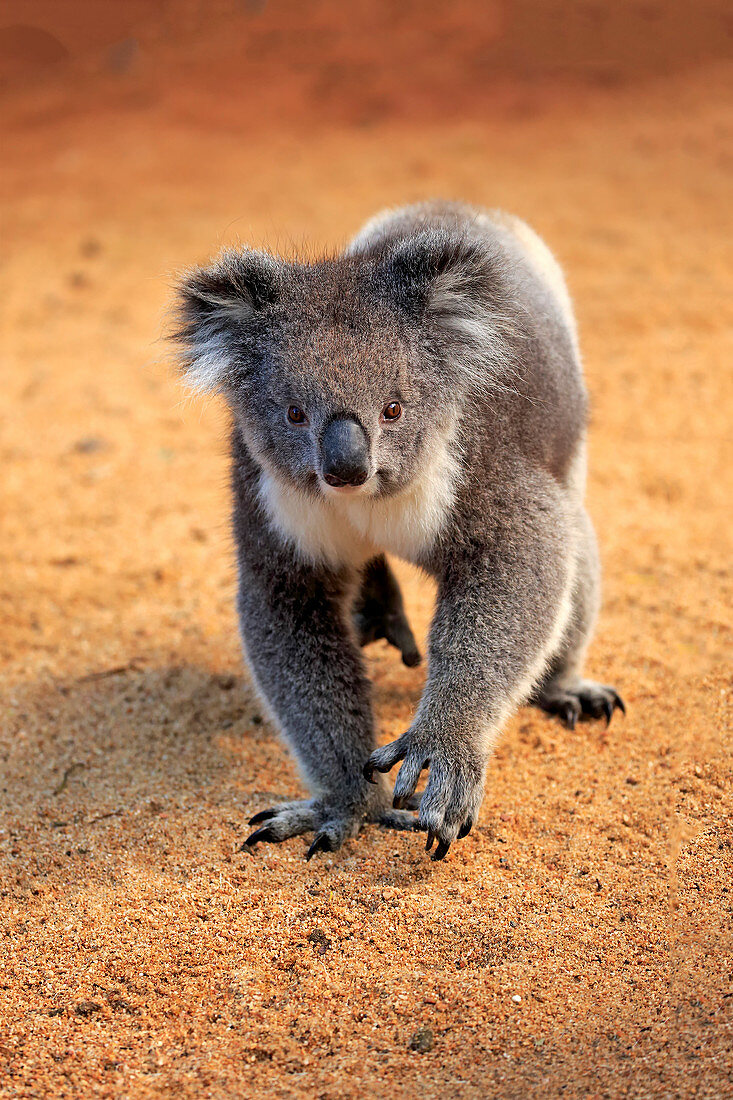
(141, 954)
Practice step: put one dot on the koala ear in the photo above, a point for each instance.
(450, 282)
(440, 272)
(218, 306)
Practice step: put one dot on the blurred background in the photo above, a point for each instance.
(139, 137)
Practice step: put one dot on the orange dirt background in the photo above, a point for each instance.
(141, 954)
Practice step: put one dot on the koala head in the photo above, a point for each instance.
(343, 373)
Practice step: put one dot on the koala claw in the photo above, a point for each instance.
(568, 712)
(322, 843)
(258, 835)
(610, 705)
(441, 851)
(371, 766)
(443, 845)
(583, 699)
(263, 815)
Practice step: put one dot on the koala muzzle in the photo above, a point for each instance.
(344, 453)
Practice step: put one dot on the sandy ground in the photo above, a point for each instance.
(579, 941)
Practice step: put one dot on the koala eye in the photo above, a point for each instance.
(296, 415)
(393, 411)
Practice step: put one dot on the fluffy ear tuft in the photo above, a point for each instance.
(451, 283)
(217, 308)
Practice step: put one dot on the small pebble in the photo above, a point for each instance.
(423, 1040)
(89, 247)
(517, 999)
(89, 445)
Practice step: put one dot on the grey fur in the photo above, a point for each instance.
(463, 318)
(380, 613)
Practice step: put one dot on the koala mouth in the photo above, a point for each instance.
(368, 488)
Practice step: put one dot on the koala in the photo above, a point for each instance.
(419, 394)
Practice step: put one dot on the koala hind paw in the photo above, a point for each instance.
(579, 701)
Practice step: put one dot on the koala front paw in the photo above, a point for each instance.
(455, 788)
(331, 825)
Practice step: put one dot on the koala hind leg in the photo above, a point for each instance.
(564, 691)
(380, 613)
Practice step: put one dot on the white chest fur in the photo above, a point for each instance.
(344, 529)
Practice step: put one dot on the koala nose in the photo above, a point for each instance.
(344, 453)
